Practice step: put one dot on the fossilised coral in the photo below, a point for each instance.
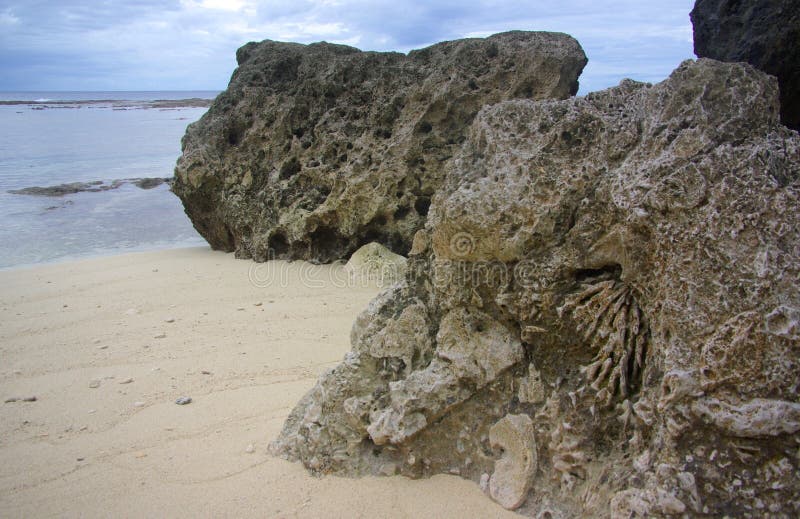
(568, 459)
(513, 472)
(613, 324)
(641, 240)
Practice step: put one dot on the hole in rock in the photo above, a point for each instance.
(278, 245)
(289, 168)
(611, 271)
(234, 135)
(424, 127)
(422, 205)
(328, 245)
(401, 212)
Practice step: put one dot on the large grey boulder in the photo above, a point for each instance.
(620, 268)
(764, 33)
(316, 150)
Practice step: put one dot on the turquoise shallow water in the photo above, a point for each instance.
(51, 146)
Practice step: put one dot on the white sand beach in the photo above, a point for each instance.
(150, 328)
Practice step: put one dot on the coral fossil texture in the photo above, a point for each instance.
(621, 269)
(316, 150)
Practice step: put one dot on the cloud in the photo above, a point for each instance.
(191, 44)
(8, 18)
(222, 5)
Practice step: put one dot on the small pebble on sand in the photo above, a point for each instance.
(250, 449)
(21, 399)
(184, 400)
(126, 381)
(94, 384)
(160, 336)
(138, 404)
(169, 320)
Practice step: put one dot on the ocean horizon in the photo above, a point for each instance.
(121, 95)
(117, 135)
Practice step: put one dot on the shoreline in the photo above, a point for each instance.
(106, 345)
(103, 254)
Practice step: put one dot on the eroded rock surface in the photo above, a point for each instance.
(315, 150)
(764, 33)
(620, 268)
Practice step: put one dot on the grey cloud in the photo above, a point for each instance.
(166, 45)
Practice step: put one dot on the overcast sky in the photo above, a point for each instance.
(191, 44)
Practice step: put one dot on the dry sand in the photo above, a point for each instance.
(156, 326)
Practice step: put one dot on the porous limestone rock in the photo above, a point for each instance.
(315, 150)
(513, 472)
(639, 247)
(472, 351)
(764, 33)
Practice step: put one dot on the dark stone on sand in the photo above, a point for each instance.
(764, 33)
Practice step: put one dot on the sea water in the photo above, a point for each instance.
(63, 143)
